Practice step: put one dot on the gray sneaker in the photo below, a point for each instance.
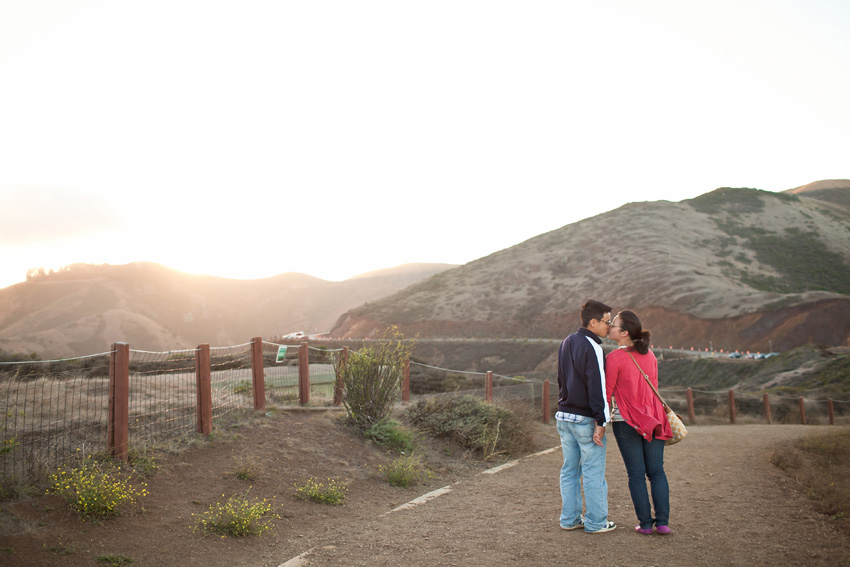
(609, 526)
(580, 524)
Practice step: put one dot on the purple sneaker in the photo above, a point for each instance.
(643, 531)
(663, 530)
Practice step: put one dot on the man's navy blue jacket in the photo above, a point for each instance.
(581, 377)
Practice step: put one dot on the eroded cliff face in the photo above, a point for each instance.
(822, 322)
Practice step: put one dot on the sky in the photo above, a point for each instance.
(330, 137)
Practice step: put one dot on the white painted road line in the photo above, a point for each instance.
(494, 470)
(422, 499)
(301, 560)
(298, 561)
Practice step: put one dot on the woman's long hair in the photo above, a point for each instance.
(630, 323)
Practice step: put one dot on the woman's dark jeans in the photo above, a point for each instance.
(644, 459)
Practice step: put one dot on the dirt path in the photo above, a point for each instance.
(730, 506)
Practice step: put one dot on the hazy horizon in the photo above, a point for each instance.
(334, 139)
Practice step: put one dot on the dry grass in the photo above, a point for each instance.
(819, 465)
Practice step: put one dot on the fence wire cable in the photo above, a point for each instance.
(448, 369)
(50, 409)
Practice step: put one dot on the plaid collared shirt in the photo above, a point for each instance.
(571, 417)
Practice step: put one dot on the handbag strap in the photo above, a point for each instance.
(645, 377)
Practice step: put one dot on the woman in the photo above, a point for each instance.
(640, 423)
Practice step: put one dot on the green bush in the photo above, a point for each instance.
(393, 435)
(371, 378)
(485, 428)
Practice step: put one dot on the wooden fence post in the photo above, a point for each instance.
(304, 375)
(258, 376)
(405, 382)
(767, 415)
(545, 401)
(732, 406)
(204, 388)
(488, 387)
(831, 411)
(339, 385)
(118, 421)
(802, 405)
(690, 396)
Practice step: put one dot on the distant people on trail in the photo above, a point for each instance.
(581, 417)
(640, 423)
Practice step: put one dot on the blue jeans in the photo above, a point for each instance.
(644, 459)
(584, 464)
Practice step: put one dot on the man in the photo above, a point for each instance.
(582, 414)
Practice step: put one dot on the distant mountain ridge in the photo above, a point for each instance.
(86, 308)
(733, 268)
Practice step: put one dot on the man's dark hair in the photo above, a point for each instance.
(592, 310)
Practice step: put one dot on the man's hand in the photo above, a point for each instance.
(598, 434)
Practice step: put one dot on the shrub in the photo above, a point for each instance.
(820, 466)
(391, 434)
(92, 490)
(482, 427)
(236, 517)
(332, 491)
(371, 378)
(404, 471)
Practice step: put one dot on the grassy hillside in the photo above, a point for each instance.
(733, 268)
(800, 256)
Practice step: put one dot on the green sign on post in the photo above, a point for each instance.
(281, 353)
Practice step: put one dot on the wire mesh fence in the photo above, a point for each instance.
(282, 367)
(163, 394)
(50, 410)
(322, 374)
(231, 380)
(280, 364)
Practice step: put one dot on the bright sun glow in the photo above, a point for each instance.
(247, 139)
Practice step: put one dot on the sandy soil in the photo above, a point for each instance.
(730, 506)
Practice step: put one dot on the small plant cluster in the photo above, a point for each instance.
(8, 446)
(237, 516)
(482, 427)
(143, 464)
(332, 491)
(405, 471)
(115, 560)
(247, 468)
(93, 489)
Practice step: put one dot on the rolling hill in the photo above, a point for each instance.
(85, 308)
(736, 268)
